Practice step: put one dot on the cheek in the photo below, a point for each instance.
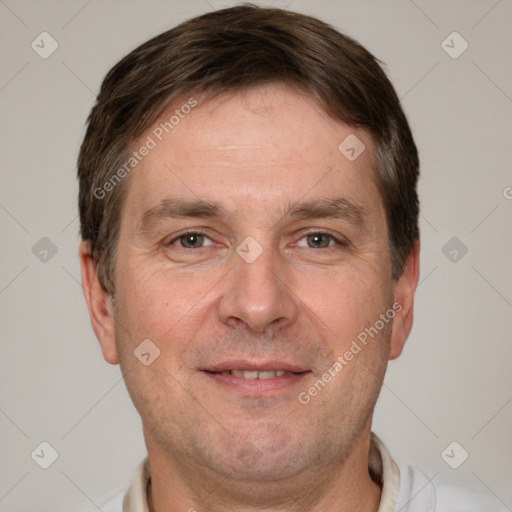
(162, 305)
(346, 301)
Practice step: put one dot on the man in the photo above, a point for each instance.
(250, 255)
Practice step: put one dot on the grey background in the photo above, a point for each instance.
(453, 382)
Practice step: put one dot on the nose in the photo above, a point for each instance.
(258, 294)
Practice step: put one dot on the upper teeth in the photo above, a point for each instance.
(254, 374)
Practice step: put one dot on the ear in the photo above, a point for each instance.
(405, 288)
(99, 304)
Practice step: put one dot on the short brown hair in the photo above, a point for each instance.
(232, 50)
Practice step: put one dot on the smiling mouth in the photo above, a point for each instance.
(256, 380)
(255, 374)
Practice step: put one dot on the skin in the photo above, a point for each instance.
(221, 446)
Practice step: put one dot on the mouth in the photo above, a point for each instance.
(255, 374)
(252, 379)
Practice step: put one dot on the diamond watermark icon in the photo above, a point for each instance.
(454, 455)
(44, 455)
(44, 250)
(351, 147)
(454, 249)
(454, 45)
(44, 45)
(147, 352)
(249, 249)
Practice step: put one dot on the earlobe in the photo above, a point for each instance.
(99, 304)
(405, 289)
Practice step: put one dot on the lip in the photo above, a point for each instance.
(256, 387)
(243, 364)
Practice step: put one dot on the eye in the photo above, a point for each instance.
(319, 240)
(191, 240)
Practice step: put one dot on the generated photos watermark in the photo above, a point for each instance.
(356, 346)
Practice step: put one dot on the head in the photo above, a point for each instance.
(248, 202)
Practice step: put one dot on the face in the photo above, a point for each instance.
(254, 254)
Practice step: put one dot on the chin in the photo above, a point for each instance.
(259, 458)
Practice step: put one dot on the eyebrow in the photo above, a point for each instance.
(178, 208)
(337, 207)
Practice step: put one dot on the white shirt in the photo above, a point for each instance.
(404, 489)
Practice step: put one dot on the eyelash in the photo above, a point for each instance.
(339, 242)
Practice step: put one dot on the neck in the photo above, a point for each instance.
(342, 487)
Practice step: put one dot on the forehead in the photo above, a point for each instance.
(270, 144)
